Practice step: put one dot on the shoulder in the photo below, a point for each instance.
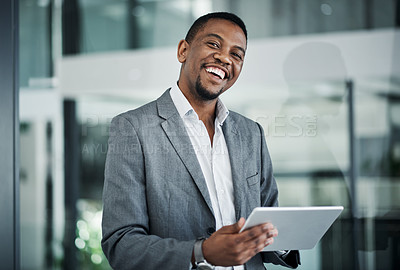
(243, 123)
(239, 117)
(148, 113)
(138, 114)
(136, 119)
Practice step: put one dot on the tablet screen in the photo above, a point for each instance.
(298, 227)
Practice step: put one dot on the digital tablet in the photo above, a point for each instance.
(298, 227)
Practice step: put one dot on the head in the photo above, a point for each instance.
(201, 22)
(212, 55)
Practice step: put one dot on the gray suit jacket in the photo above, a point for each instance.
(156, 202)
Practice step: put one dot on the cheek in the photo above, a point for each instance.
(237, 68)
(191, 67)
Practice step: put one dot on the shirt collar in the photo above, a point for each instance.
(181, 103)
(186, 110)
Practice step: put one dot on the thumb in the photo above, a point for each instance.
(234, 228)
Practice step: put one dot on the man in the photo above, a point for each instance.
(183, 171)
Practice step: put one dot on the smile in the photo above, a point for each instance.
(216, 71)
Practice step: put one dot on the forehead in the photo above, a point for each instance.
(227, 30)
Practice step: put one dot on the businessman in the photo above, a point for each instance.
(183, 171)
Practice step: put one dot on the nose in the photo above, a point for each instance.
(223, 57)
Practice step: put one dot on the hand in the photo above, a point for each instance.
(228, 247)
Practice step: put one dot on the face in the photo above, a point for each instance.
(213, 60)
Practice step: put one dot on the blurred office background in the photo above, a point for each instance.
(321, 76)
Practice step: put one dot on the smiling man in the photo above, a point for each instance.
(183, 171)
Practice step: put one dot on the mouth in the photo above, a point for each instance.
(216, 71)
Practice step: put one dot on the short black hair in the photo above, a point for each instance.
(201, 22)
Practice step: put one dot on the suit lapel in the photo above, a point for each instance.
(234, 143)
(174, 128)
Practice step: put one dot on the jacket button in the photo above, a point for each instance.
(211, 230)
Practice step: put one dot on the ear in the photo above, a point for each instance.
(183, 48)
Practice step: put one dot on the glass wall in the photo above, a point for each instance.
(35, 43)
(332, 127)
(110, 25)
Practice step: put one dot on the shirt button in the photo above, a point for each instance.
(222, 191)
(210, 230)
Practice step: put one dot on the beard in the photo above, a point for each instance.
(204, 94)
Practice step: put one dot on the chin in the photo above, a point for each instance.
(205, 93)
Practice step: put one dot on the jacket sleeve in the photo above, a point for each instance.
(127, 242)
(269, 197)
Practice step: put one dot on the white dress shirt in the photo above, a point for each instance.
(214, 159)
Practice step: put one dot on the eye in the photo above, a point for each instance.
(213, 44)
(238, 56)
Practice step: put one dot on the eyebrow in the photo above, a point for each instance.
(220, 38)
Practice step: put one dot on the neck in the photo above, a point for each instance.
(205, 109)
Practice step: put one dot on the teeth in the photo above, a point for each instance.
(216, 71)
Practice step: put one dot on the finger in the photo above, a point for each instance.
(269, 241)
(263, 239)
(252, 247)
(272, 233)
(270, 237)
(259, 237)
(252, 251)
(255, 232)
(240, 223)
